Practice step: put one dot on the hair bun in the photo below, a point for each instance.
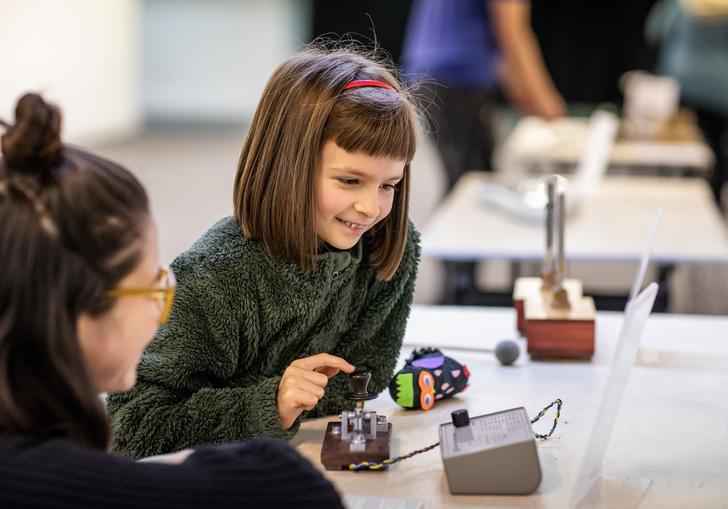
(34, 143)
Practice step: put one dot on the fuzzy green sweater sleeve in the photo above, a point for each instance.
(239, 319)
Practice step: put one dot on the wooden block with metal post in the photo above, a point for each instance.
(530, 288)
(554, 316)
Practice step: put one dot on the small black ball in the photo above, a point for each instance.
(507, 352)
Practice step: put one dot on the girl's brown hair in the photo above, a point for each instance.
(71, 226)
(303, 106)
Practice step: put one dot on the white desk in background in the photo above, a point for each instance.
(672, 427)
(537, 144)
(612, 227)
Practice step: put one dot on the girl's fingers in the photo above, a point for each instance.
(324, 363)
(306, 400)
(303, 382)
(309, 387)
(314, 377)
(328, 372)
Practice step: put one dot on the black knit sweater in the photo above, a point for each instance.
(57, 473)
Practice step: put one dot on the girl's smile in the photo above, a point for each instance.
(355, 228)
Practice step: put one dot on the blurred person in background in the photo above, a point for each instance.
(461, 51)
(692, 39)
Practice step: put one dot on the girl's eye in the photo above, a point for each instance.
(389, 187)
(348, 182)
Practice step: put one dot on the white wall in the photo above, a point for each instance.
(209, 60)
(80, 54)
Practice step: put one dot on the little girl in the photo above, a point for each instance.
(313, 275)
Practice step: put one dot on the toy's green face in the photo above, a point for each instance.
(405, 390)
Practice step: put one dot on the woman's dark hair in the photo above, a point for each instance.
(71, 227)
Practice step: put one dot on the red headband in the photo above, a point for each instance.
(368, 83)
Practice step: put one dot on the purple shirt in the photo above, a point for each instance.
(451, 42)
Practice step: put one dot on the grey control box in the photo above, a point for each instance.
(493, 454)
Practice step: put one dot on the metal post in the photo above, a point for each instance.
(548, 269)
(560, 298)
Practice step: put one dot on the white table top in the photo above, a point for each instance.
(614, 226)
(535, 141)
(672, 428)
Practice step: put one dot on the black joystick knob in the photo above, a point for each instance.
(460, 418)
(359, 381)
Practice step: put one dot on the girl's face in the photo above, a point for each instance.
(354, 191)
(112, 343)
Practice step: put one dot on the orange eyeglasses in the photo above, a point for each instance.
(163, 290)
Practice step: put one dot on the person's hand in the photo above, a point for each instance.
(303, 382)
(542, 100)
(548, 104)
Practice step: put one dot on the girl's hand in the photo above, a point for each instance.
(302, 384)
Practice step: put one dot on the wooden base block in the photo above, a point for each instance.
(524, 289)
(530, 288)
(560, 333)
(337, 455)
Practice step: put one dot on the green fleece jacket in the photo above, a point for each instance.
(240, 317)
